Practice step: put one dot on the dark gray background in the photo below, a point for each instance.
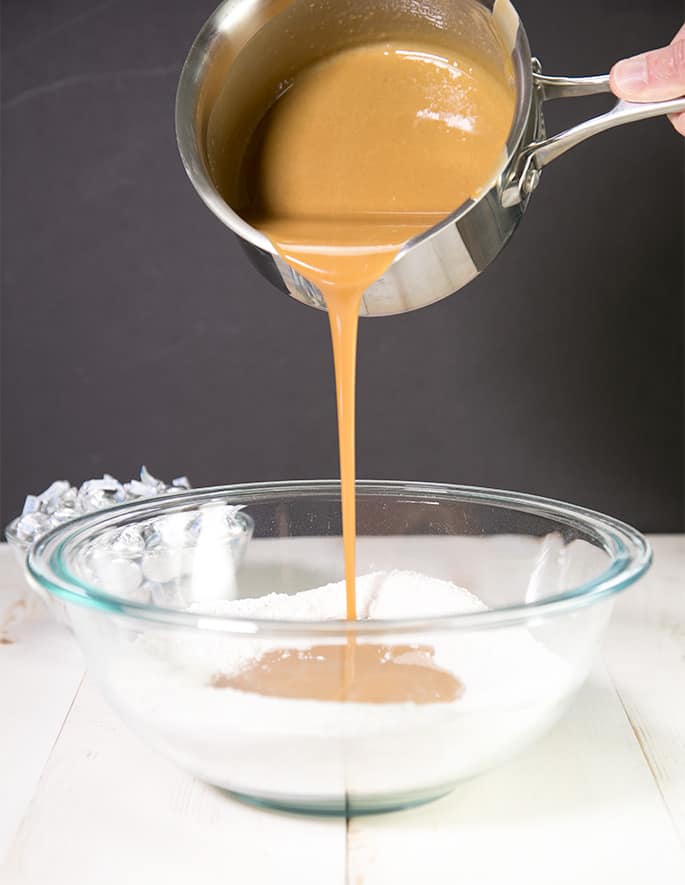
(134, 329)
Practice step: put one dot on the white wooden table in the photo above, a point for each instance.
(601, 799)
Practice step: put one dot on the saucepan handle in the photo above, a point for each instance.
(535, 156)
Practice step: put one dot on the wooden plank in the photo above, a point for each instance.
(40, 671)
(645, 654)
(108, 810)
(579, 806)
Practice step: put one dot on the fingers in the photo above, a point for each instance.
(652, 76)
(678, 121)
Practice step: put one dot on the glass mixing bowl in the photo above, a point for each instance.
(166, 612)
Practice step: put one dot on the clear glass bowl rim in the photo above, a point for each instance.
(629, 551)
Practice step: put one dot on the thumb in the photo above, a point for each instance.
(652, 76)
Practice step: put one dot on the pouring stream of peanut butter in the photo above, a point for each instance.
(363, 151)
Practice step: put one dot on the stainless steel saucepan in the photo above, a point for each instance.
(248, 47)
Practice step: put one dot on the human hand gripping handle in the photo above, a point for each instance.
(654, 76)
(637, 104)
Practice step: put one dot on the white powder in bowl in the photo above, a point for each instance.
(323, 750)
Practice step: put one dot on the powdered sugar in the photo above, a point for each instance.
(380, 595)
(323, 750)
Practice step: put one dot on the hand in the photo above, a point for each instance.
(654, 76)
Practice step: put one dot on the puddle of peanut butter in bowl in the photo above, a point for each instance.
(383, 674)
